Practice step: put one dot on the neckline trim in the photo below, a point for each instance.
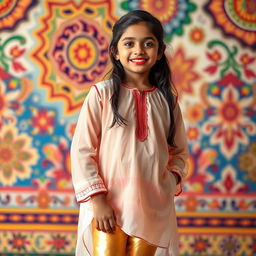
(136, 89)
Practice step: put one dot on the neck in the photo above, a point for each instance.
(137, 82)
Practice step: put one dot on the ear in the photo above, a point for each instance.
(161, 52)
(114, 53)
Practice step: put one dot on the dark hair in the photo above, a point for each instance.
(160, 74)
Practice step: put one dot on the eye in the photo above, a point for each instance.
(149, 44)
(128, 44)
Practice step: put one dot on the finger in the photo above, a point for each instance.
(114, 215)
(96, 224)
(107, 226)
(112, 224)
(101, 226)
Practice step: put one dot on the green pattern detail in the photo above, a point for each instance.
(4, 59)
(230, 62)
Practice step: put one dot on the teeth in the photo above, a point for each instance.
(138, 60)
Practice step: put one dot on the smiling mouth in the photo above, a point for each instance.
(138, 61)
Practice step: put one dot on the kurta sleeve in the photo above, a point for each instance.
(178, 155)
(84, 149)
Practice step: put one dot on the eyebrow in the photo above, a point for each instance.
(133, 38)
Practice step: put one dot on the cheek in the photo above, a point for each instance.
(124, 54)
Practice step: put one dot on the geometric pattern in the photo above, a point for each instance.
(236, 19)
(72, 50)
(172, 14)
(14, 12)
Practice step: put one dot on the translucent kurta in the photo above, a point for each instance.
(132, 164)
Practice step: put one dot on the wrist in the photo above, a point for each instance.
(98, 197)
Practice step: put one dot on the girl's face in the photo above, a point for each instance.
(138, 50)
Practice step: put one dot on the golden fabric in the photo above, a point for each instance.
(119, 244)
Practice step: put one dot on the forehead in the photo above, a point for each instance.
(138, 31)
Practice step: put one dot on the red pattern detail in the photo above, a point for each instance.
(141, 90)
(179, 185)
(98, 95)
(141, 114)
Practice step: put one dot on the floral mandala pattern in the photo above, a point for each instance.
(42, 121)
(229, 183)
(229, 246)
(59, 243)
(19, 242)
(228, 123)
(200, 245)
(173, 14)
(13, 12)
(75, 55)
(79, 52)
(16, 155)
(56, 50)
(235, 18)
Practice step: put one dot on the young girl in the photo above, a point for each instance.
(129, 149)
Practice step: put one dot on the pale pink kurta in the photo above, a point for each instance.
(132, 164)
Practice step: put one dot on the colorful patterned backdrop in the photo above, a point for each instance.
(52, 51)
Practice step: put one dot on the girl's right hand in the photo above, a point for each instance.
(103, 213)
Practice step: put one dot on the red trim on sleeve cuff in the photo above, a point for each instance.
(86, 194)
(179, 185)
(89, 197)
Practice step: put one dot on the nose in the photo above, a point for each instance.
(138, 49)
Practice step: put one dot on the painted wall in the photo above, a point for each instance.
(51, 52)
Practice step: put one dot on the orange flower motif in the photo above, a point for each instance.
(16, 155)
(43, 199)
(160, 8)
(195, 113)
(191, 204)
(197, 35)
(193, 133)
(42, 121)
(184, 76)
(16, 52)
(247, 60)
(214, 56)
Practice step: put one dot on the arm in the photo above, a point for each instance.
(179, 154)
(84, 149)
(87, 182)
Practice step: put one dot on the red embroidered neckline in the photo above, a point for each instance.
(140, 90)
(140, 98)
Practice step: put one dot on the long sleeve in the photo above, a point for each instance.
(84, 149)
(178, 155)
